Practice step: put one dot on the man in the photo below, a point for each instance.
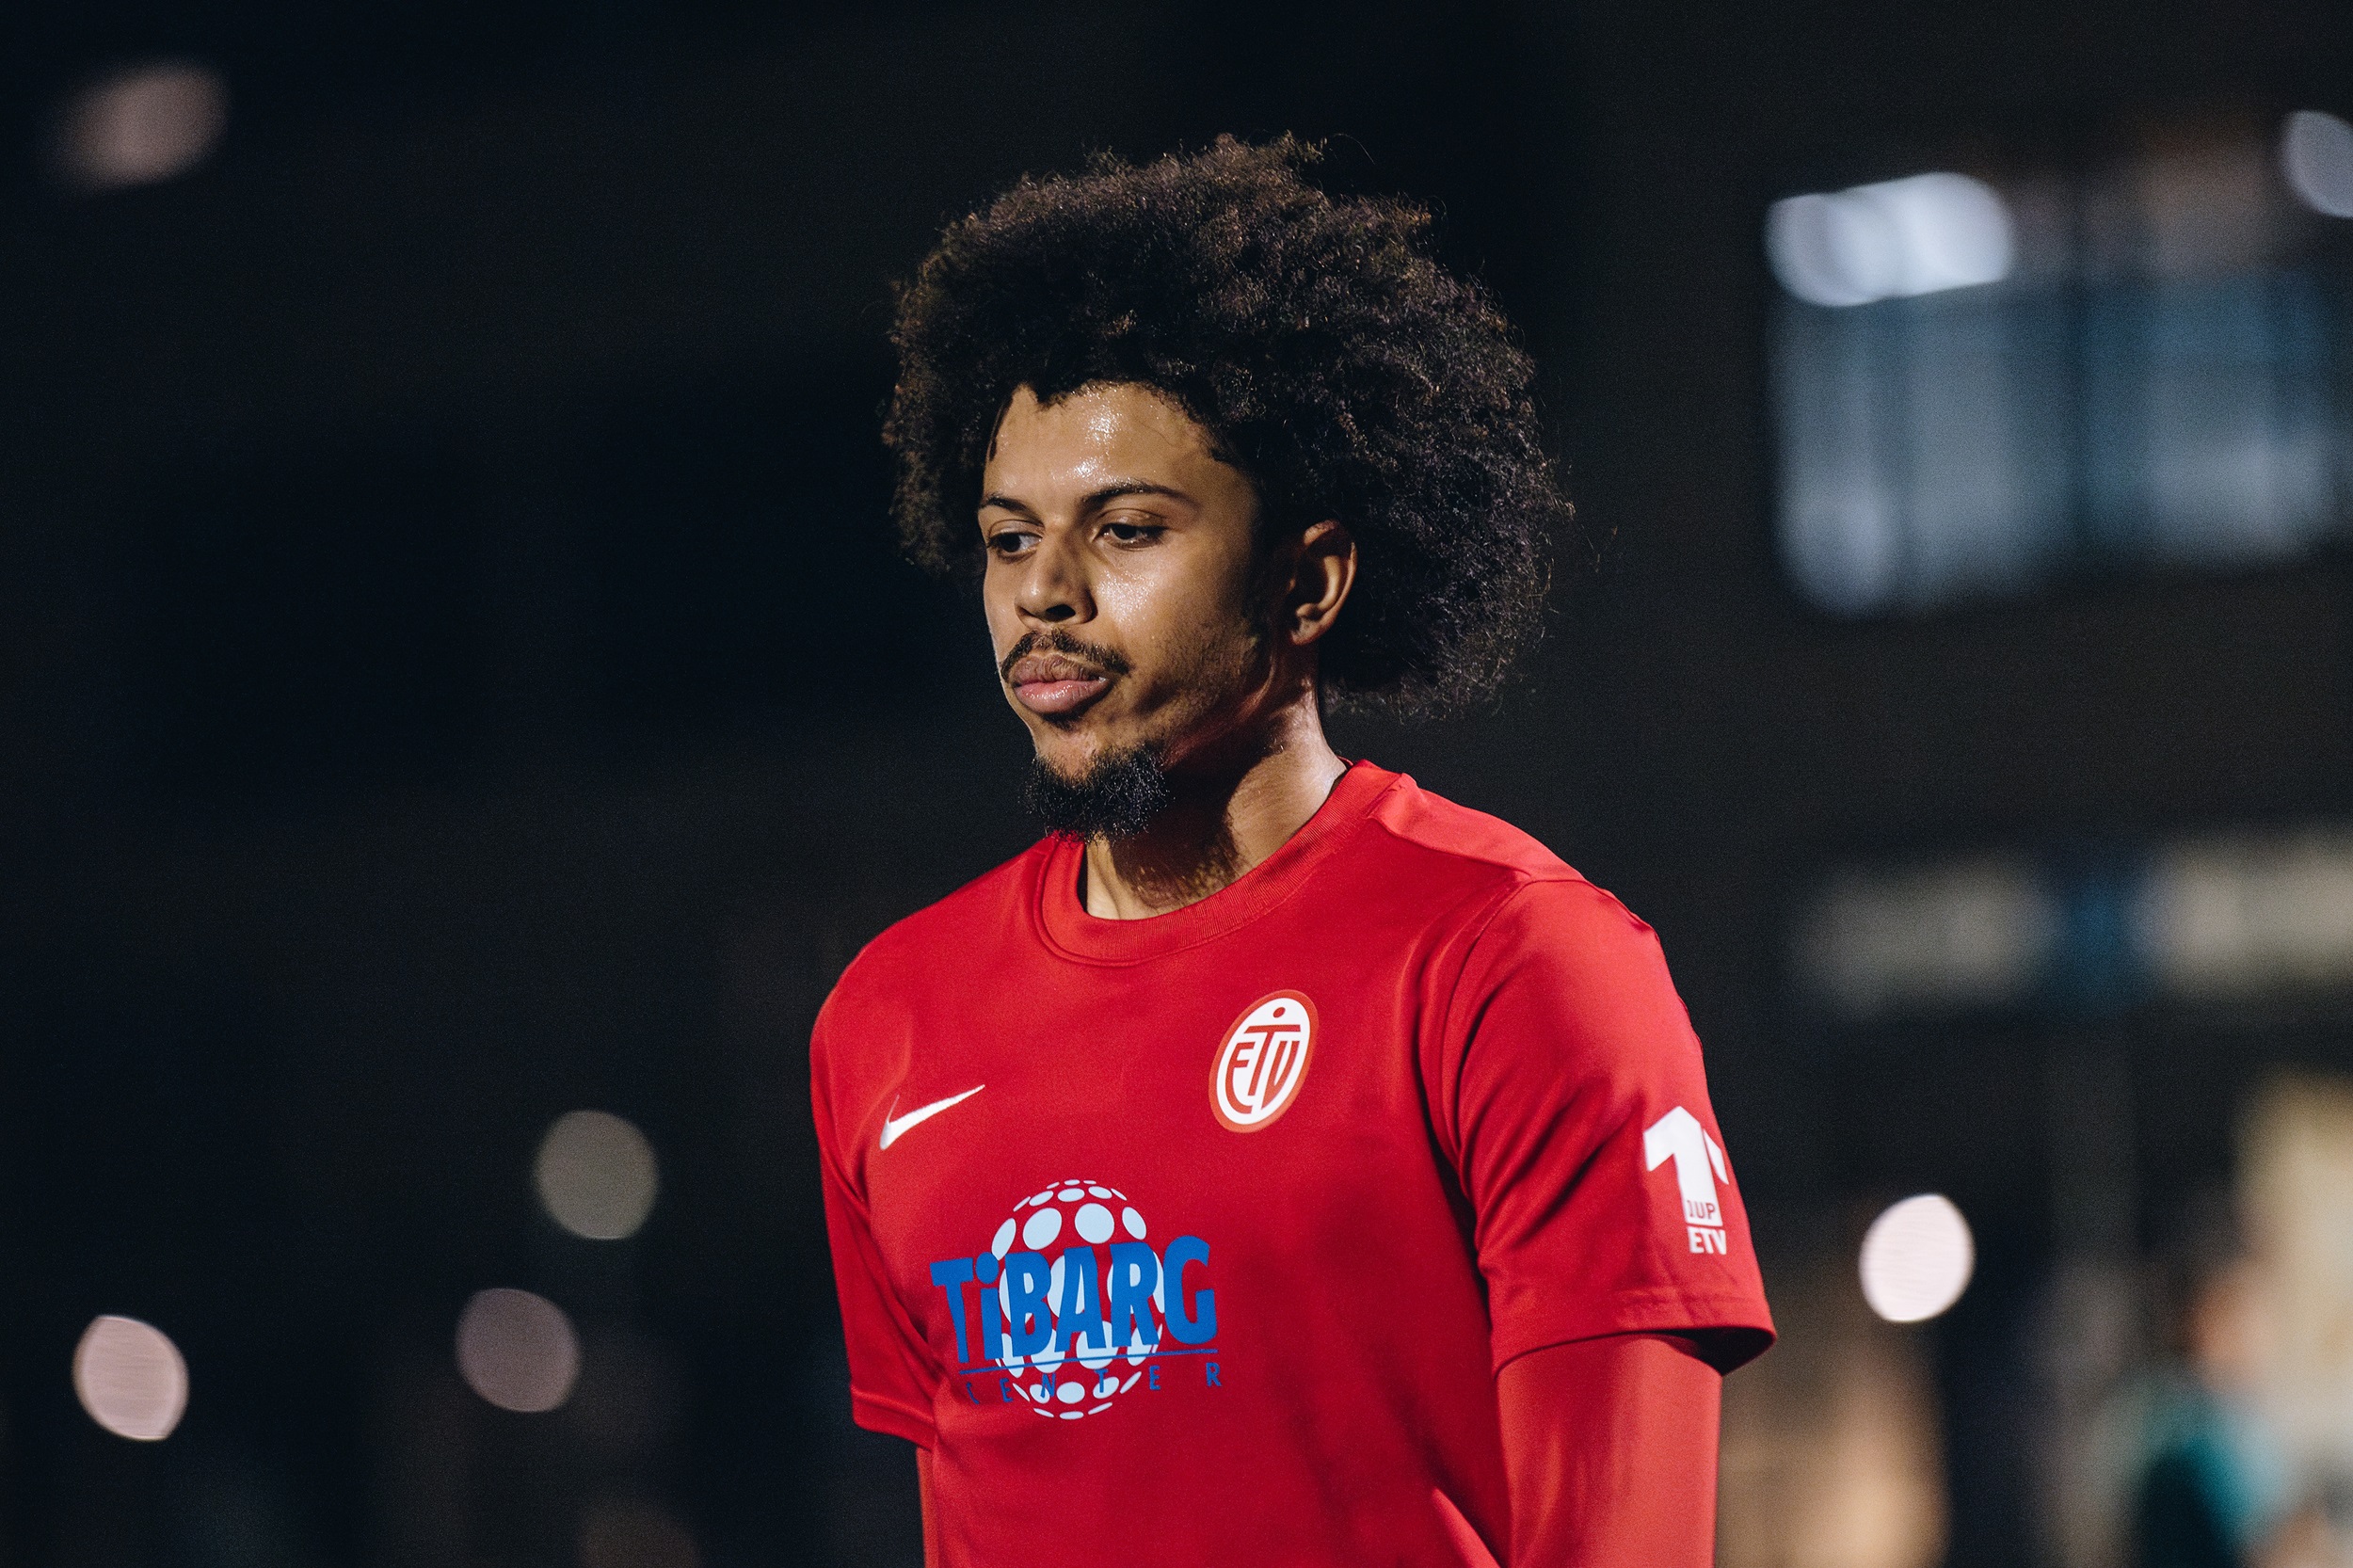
(1277, 1164)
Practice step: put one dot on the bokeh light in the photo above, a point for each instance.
(634, 1534)
(141, 125)
(130, 1377)
(595, 1174)
(1916, 1260)
(1893, 240)
(2316, 156)
(517, 1351)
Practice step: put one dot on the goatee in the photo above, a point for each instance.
(1117, 797)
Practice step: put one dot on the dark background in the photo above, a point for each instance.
(454, 668)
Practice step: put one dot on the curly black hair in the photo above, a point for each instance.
(1325, 353)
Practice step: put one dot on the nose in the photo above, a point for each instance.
(1054, 589)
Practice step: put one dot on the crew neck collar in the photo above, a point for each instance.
(1066, 926)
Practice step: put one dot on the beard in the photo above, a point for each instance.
(1117, 797)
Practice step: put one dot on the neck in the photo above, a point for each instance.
(1225, 813)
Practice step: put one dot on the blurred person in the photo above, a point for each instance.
(2212, 1489)
(1277, 1163)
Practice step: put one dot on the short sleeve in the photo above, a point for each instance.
(1572, 1099)
(891, 1373)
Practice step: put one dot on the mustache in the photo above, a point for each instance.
(1063, 643)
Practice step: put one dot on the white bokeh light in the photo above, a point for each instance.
(141, 125)
(2316, 156)
(517, 1351)
(1916, 1258)
(131, 1379)
(597, 1175)
(1893, 240)
(1825, 248)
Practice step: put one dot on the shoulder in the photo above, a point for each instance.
(1525, 921)
(1522, 890)
(938, 943)
(1425, 820)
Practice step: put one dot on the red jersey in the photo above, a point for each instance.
(1199, 1239)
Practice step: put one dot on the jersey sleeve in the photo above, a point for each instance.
(1574, 1106)
(892, 1374)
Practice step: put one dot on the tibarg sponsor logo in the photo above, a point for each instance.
(1071, 1306)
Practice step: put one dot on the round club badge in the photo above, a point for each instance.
(1262, 1062)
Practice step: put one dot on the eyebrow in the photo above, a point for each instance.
(1094, 500)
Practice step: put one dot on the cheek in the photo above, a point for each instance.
(1186, 633)
(998, 607)
(1178, 598)
(1158, 618)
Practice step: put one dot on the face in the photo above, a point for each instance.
(1125, 583)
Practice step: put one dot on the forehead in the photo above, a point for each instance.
(1099, 435)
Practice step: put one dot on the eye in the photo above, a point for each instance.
(1133, 533)
(1009, 543)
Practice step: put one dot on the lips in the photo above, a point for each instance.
(1051, 685)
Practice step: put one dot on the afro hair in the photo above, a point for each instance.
(1325, 353)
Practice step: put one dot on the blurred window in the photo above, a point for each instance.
(2222, 917)
(1980, 387)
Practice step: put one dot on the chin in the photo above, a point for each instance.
(1108, 793)
(1072, 756)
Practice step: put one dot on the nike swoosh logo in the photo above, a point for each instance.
(894, 1125)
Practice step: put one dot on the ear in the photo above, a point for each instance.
(1320, 582)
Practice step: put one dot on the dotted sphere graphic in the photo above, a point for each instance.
(1072, 1382)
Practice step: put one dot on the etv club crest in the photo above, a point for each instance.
(1262, 1062)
